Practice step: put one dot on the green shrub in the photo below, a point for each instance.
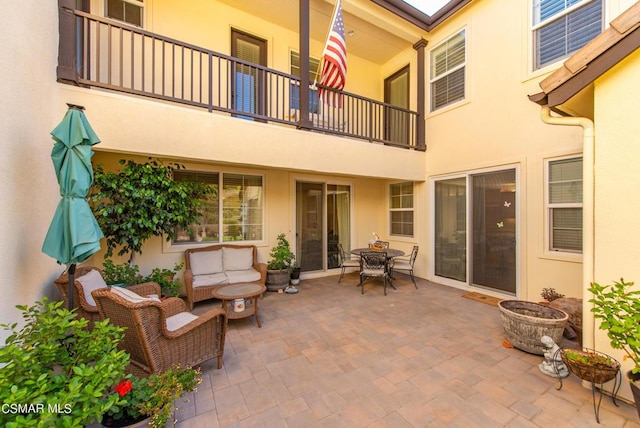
(166, 278)
(57, 370)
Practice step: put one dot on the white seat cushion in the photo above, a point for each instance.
(247, 275)
(351, 263)
(176, 321)
(132, 296)
(206, 262)
(237, 258)
(210, 279)
(401, 264)
(373, 272)
(90, 281)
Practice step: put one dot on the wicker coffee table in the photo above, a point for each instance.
(250, 292)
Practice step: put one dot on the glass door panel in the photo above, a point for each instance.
(451, 229)
(396, 93)
(309, 225)
(494, 230)
(248, 80)
(338, 222)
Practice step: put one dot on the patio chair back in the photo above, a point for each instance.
(374, 264)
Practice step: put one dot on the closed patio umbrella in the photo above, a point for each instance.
(74, 234)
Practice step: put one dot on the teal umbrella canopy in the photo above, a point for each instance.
(74, 234)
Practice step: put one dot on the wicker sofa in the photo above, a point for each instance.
(161, 333)
(207, 268)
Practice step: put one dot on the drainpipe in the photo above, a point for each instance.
(588, 335)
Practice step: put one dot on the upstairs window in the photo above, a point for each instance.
(447, 74)
(561, 27)
(564, 204)
(401, 209)
(129, 11)
(294, 95)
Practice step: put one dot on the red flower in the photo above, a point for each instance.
(124, 387)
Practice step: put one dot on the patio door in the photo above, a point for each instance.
(475, 230)
(248, 81)
(396, 93)
(323, 219)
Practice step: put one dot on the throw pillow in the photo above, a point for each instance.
(132, 296)
(90, 281)
(205, 262)
(237, 258)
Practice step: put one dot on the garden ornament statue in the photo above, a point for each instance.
(552, 364)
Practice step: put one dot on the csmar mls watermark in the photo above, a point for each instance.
(24, 408)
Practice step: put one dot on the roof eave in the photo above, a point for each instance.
(418, 18)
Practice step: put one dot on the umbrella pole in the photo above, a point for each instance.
(71, 273)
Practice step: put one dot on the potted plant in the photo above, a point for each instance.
(150, 399)
(618, 308)
(550, 294)
(54, 371)
(590, 365)
(166, 278)
(120, 274)
(295, 273)
(278, 267)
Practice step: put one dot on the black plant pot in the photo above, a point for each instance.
(295, 273)
(634, 378)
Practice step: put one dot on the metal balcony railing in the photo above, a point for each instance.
(115, 56)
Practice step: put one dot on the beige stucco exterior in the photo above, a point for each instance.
(496, 127)
(616, 155)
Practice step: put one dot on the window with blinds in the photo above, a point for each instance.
(561, 27)
(294, 94)
(241, 207)
(233, 210)
(129, 11)
(447, 72)
(401, 209)
(564, 204)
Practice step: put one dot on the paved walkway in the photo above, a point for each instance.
(330, 357)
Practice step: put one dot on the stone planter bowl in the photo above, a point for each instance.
(526, 322)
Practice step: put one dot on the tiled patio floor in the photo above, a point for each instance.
(330, 357)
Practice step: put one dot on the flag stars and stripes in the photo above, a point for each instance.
(334, 68)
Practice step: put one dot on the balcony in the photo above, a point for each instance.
(102, 53)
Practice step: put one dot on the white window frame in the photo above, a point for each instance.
(221, 223)
(550, 206)
(402, 208)
(537, 24)
(435, 78)
(139, 3)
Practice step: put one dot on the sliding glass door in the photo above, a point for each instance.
(451, 229)
(323, 219)
(475, 230)
(494, 230)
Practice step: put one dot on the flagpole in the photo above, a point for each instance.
(326, 41)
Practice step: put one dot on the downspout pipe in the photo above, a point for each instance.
(588, 249)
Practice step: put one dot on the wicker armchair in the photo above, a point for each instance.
(85, 309)
(153, 346)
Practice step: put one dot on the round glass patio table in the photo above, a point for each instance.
(391, 253)
(250, 292)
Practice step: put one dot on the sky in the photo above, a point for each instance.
(427, 6)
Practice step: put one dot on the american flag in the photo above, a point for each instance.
(334, 67)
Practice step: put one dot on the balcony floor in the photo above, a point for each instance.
(331, 357)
